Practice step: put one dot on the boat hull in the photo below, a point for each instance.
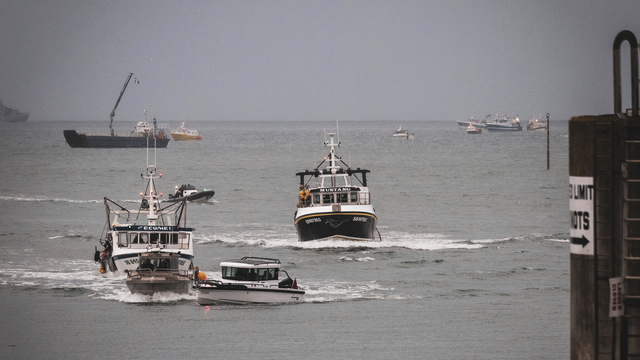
(78, 140)
(185, 137)
(352, 225)
(202, 196)
(120, 263)
(492, 127)
(242, 295)
(149, 285)
(16, 117)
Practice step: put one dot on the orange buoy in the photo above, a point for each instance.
(202, 276)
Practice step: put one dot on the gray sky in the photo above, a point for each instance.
(312, 60)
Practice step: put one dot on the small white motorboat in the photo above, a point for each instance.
(471, 129)
(250, 280)
(158, 272)
(403, 134)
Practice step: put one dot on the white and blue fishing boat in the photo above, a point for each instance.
(332, 206)
(154, 226)
(505, 124)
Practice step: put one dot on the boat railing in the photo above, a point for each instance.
(139, 273)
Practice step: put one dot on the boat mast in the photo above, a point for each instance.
(151, 176)
(113, 112)
(332, 159)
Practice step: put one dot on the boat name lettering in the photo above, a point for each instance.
(336, 189)
(360, 218)
(131, 261)
(152, 228)
(313, 220)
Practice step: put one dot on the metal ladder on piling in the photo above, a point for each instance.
(605, 228)
(630, 329)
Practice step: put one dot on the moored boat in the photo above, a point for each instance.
(464, 124)
(129, 233)
(471, 129)
(8, 114)
(505, 124)
(184, 134)
(250, 280)
(333, 207)
(400, 133)
(536, 124)
(158, 272)
(138, 138)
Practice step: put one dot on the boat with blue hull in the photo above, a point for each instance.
(333, 207)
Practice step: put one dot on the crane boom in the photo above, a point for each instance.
(113, 112)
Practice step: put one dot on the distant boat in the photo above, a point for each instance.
(192, 194)
(8, 114)
(471, 129)
(464, 124)
(536, 124)
(136, 139)
(183, 134)
(505, 124)
(403, 134)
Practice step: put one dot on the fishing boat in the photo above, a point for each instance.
(464, 124)
(333, 207)
(184, 134)
(190, 193)
(250, 280)
(138, 138)
(471, 129)
(505, 124)
(536, 124)
(154, 226)
(400, 133)
(158, 272)
(8, 114)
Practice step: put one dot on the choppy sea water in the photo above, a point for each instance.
(473, 262)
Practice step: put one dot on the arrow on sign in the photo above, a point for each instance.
(580, 241)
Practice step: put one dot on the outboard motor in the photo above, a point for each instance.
(286, 283)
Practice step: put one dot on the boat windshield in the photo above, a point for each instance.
(244, 274)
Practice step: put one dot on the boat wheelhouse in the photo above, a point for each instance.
(158, 272)
(333, 207)
(250, 280)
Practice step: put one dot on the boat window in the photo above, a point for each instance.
(174, 239)
(354, 197)
(122, 240)
(134, 238)
(154, 238)
(164, 238)
(267, 274)
(183, 240)
(316, 198)
(342, 198)
(327, 198)
(143, 238)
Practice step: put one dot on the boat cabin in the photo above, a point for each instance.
(250, 269)
(333, 187)
(158, 261)
(143, 236)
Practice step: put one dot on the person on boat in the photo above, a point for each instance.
(147, 265)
